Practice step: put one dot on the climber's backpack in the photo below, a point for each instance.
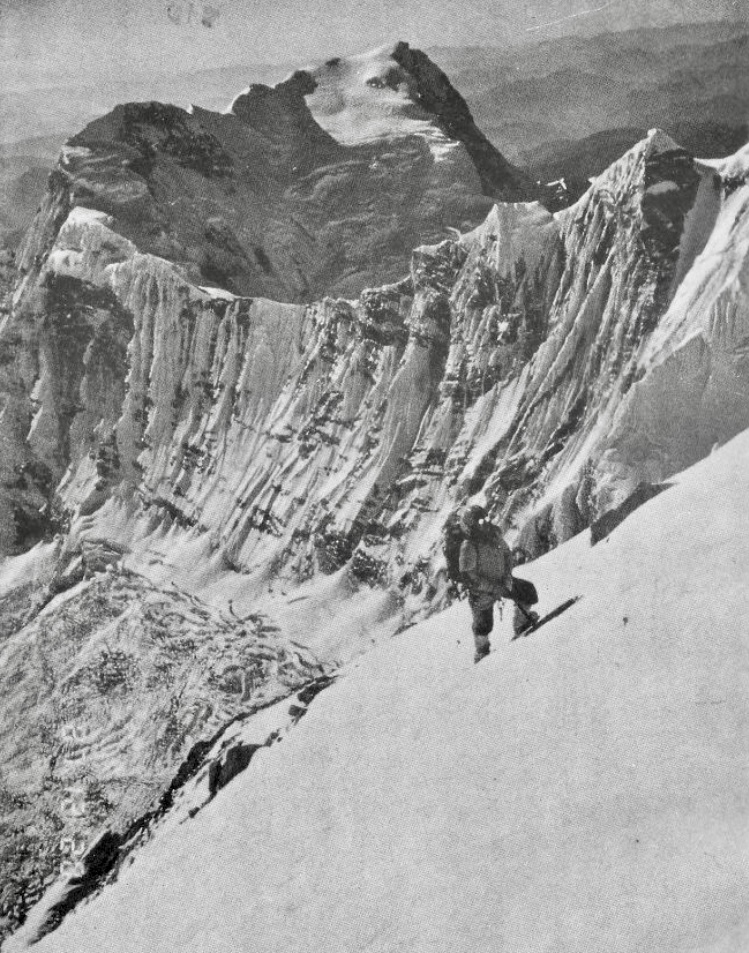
(452, 539)
(453, 535)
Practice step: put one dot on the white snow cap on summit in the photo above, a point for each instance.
(659, 141)
(367, 97)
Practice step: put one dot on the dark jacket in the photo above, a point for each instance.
(486, 563)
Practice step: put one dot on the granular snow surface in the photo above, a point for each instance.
(584, 789)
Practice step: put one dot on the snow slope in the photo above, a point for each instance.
(584, 789)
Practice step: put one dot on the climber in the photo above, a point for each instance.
(485, 566)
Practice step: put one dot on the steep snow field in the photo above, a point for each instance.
(582, 789)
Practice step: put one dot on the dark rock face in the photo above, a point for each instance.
(281, 114)
(234, 761)
(434, 92)
(95, 864)
(670, 186)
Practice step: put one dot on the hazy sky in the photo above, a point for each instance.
(41, 38)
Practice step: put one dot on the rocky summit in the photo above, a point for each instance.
(251, 362)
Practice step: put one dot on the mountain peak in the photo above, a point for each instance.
(657, 141)
(397, 91)
(291, 174)
(656, 176)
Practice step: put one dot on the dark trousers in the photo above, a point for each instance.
(482, 611)
(483, 617)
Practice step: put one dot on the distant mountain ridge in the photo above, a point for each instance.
(688, 80)
(552, 105)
